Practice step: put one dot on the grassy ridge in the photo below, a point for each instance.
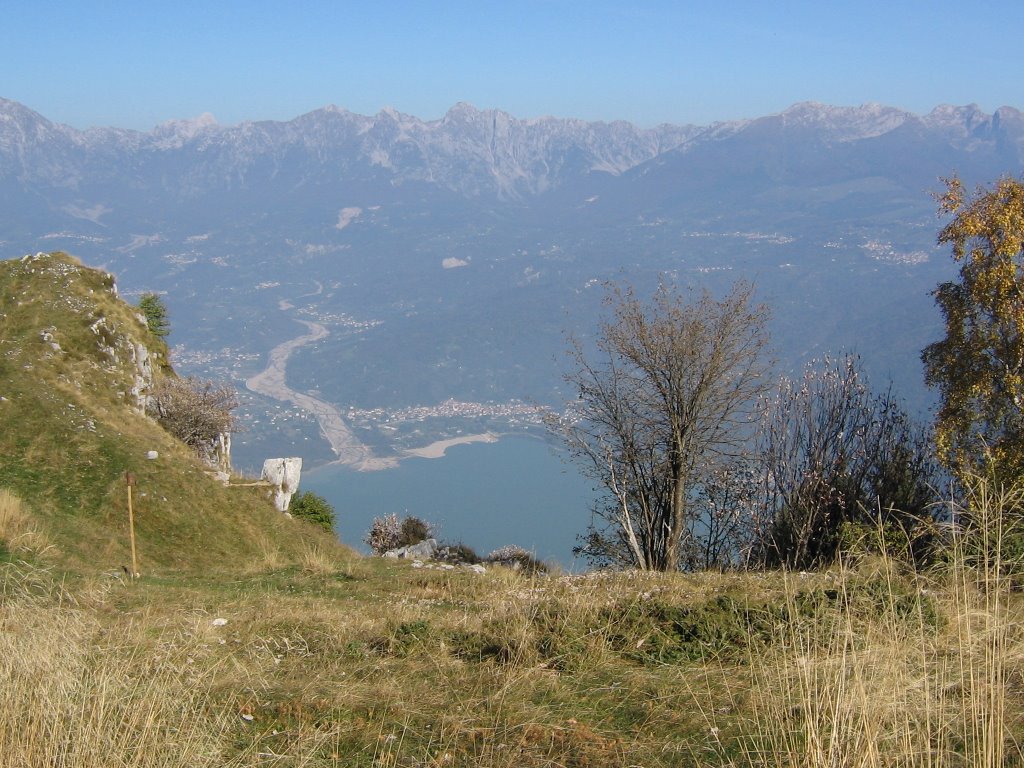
(73, 428)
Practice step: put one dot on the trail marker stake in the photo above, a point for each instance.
(130, 480)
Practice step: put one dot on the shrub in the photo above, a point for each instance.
(196, 411)
(457, 553)
(517, 559)
(387, 533)
(413, 531)
(383, 534)
(314, 508)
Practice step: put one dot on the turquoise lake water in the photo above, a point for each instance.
(518, 490)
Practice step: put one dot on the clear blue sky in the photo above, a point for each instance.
(140, 63)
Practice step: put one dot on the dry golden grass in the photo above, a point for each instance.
(932, 678)
(306, 666)
(19, 532)
(333, 660)
(75, 694)
(322, 560)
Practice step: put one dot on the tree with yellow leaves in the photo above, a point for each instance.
(978, 368)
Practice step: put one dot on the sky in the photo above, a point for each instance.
(138, 64)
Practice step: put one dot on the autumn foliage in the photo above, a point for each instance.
(978, 368)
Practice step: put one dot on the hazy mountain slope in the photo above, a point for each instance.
(446, 257)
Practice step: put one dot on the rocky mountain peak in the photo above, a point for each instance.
(20, 125)
(469, 151)
(463, 110)
(845, 123)
(176, 133)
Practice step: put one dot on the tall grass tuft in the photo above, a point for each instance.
(19, 533)
(69, 698)
(918, 676)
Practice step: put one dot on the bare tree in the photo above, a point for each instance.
(725, 530)
(836, 454)
(664, 403)
(199, 413)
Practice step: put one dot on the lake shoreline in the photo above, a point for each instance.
(438, 448)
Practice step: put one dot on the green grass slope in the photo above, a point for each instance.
(72, 427)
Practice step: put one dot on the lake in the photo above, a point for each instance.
(517, 490)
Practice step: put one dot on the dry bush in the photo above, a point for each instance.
(197, 412)
(383, 534)
(516, 558)
(388, 532)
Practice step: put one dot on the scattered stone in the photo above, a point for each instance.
(476, 568)
(151, 455)
(423, 550)
(219, 622)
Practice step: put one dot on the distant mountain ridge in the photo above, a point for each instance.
(469, 152)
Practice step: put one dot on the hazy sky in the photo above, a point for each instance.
(138, 64)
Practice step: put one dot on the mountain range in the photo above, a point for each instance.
(485, 153)
(446, 259)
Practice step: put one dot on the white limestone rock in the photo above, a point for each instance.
(284, 475)
(143, 376)
(423, 550)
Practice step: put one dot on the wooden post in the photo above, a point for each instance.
(130, 479)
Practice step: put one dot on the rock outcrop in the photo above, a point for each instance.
(284, 475)
(422, 550)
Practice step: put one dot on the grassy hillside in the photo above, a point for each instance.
(254, 640)
(72, 427)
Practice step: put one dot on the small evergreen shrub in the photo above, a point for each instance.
(155, 312)
(314, 508)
